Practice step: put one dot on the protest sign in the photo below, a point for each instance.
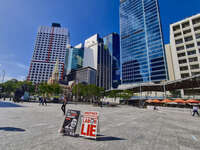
(71, 122)
(89, 124)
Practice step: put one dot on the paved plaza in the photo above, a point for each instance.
(27, 126)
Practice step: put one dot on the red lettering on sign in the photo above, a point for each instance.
(82, 130)
(92, 130)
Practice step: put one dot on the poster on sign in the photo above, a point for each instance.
(71, 122)
(89, 125)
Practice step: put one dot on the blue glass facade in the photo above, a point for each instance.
(74, 59)
(142, 50)
(112, 45)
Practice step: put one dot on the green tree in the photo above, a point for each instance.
(10, 87)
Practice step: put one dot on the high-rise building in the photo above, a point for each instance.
(86, 75)
(50, 46)
(74, 58)
(97, 56)
(185, 46)
(111, 45)
(141, 42)
(185, 49)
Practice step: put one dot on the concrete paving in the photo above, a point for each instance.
(34, 127)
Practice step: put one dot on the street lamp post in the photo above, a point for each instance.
(140, 94)
(164, 89)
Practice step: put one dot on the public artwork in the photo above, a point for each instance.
(89, 125)
(71, 122)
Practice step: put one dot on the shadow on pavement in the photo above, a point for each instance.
(109, 138)
(9, 104)
(12, 129)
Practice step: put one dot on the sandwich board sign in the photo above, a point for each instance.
(71, 122)
(90, 125)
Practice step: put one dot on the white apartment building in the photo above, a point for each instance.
(185, 47)
(50, 46)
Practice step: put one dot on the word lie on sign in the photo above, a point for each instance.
(90, 125)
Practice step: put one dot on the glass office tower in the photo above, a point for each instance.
(111, 45)
(74, 59)
(142, 50)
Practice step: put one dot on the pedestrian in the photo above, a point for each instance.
(40, 101)
(63, 107)
(195, 110)
(45, 101)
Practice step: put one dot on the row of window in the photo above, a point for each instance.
(186, 24)
(194, 59)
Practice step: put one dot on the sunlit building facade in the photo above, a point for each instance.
(74, 58)
(142, 50)
(50, 46)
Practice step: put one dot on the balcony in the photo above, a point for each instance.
(189, 42)
(180, 44)
(184, 71)
(178, 37)
(187, 34)
(198, 31)
(180, 51)
(194, 63)
(186, 28)
(177, 31)
(183, 64)
(197, 24)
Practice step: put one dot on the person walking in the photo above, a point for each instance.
(195, 110)
(45, 101)
(40, 101)
(63, 107)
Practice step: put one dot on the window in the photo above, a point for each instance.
(175, 28)
(177, 34)
(191, 52)
(186, 24)
(182, 61)
(179, 41)
(198, 43)
(193, 59)
(185, 75)
(180, 48)
(197, 28)
(187, 31)
(192, 67)
(190, 45)
(184, 68)
(195, 21)
(198, 36)
(189, 38)
(195, 73)
(181, 55)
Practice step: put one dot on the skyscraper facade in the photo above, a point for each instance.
(97, 56)
(112, 46)
(50, 46)
(142, 50)
(74, 58)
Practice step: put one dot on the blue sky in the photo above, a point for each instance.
(19, 21)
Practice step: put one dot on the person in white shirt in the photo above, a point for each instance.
(195, 110)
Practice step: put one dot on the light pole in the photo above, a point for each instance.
(140, 94)
(164, 89)
(77, 91)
